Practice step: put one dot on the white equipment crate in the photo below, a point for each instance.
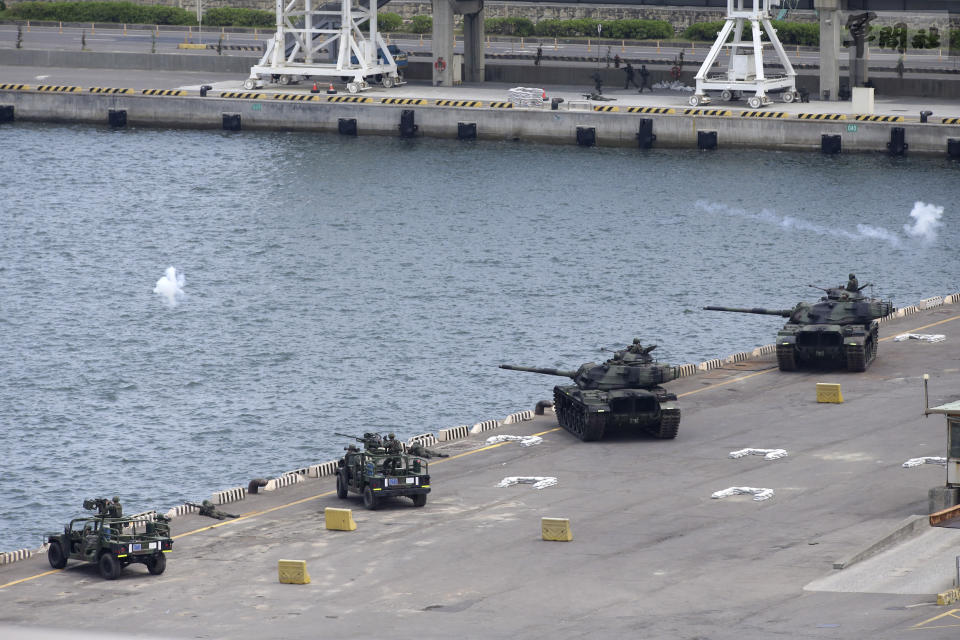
(527, 96)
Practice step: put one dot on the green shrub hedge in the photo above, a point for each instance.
(228, 17)
(389, 21)
(582, 28)
(421, 24)
(125, 12)
(803, 33)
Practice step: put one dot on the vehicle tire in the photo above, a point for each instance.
(726, 95)
(342, 484)
(694, 100)
(157, 563)
(249, 84)
(369, 500)
(56, 556)
(109, 566)
(789, 96)
(284, 79)
(754, 102)
(419, 500)
(387, 82)
(353, 87)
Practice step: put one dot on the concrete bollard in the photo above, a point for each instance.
(293, 572)
(556, 529)
(339, 519)
(828, 392)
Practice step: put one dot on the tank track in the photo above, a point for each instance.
(859, 357)
(574, 419)
(668, 426)
(786, 357)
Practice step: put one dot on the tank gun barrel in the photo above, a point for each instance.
(544, 370)
(785, 313)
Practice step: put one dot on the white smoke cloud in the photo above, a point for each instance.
(170, 287)
(924, 228)
(926, 220)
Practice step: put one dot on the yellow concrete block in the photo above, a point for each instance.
(948, 597)
(293, 572)
(827, 392)
(339, 519)
(556, 529)
(187, 45)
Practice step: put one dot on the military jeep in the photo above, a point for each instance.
(377, 473)
(112, 541)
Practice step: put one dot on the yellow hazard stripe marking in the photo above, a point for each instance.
(707, 112)
(458, 103)
(598, 107)
(660, 110)
(763, 114)
(821, 116)
(869, 118)
(243, 95)
(402, 101)
(501, 105)
(15, 87)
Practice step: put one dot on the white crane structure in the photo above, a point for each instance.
(324, 40)
(745, 72)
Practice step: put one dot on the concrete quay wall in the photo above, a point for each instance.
(612, 129)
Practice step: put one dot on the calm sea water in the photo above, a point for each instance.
(335, 284)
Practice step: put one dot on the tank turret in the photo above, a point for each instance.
(623, 391)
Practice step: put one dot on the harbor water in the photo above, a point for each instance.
(322, 283)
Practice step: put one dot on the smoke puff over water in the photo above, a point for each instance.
(926, 221)
(170, 287)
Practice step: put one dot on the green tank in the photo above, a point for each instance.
(622, 392)
(839, 330)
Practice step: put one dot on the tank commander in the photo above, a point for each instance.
(114, 509)
(852, 284)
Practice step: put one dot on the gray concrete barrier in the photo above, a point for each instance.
(323, 469)
(227, 496)
(486, 425)
(521, 416)
(453, 433)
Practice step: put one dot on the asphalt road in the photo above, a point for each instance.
(653, 555)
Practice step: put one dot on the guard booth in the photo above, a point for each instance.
(941, 498)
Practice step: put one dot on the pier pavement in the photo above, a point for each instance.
(652, 556)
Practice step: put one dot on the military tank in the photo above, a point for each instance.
(624, 392)
(839, 330)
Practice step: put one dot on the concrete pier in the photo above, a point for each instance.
(652, 553)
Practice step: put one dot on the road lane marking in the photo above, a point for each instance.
(952, 613)
(39, 575)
